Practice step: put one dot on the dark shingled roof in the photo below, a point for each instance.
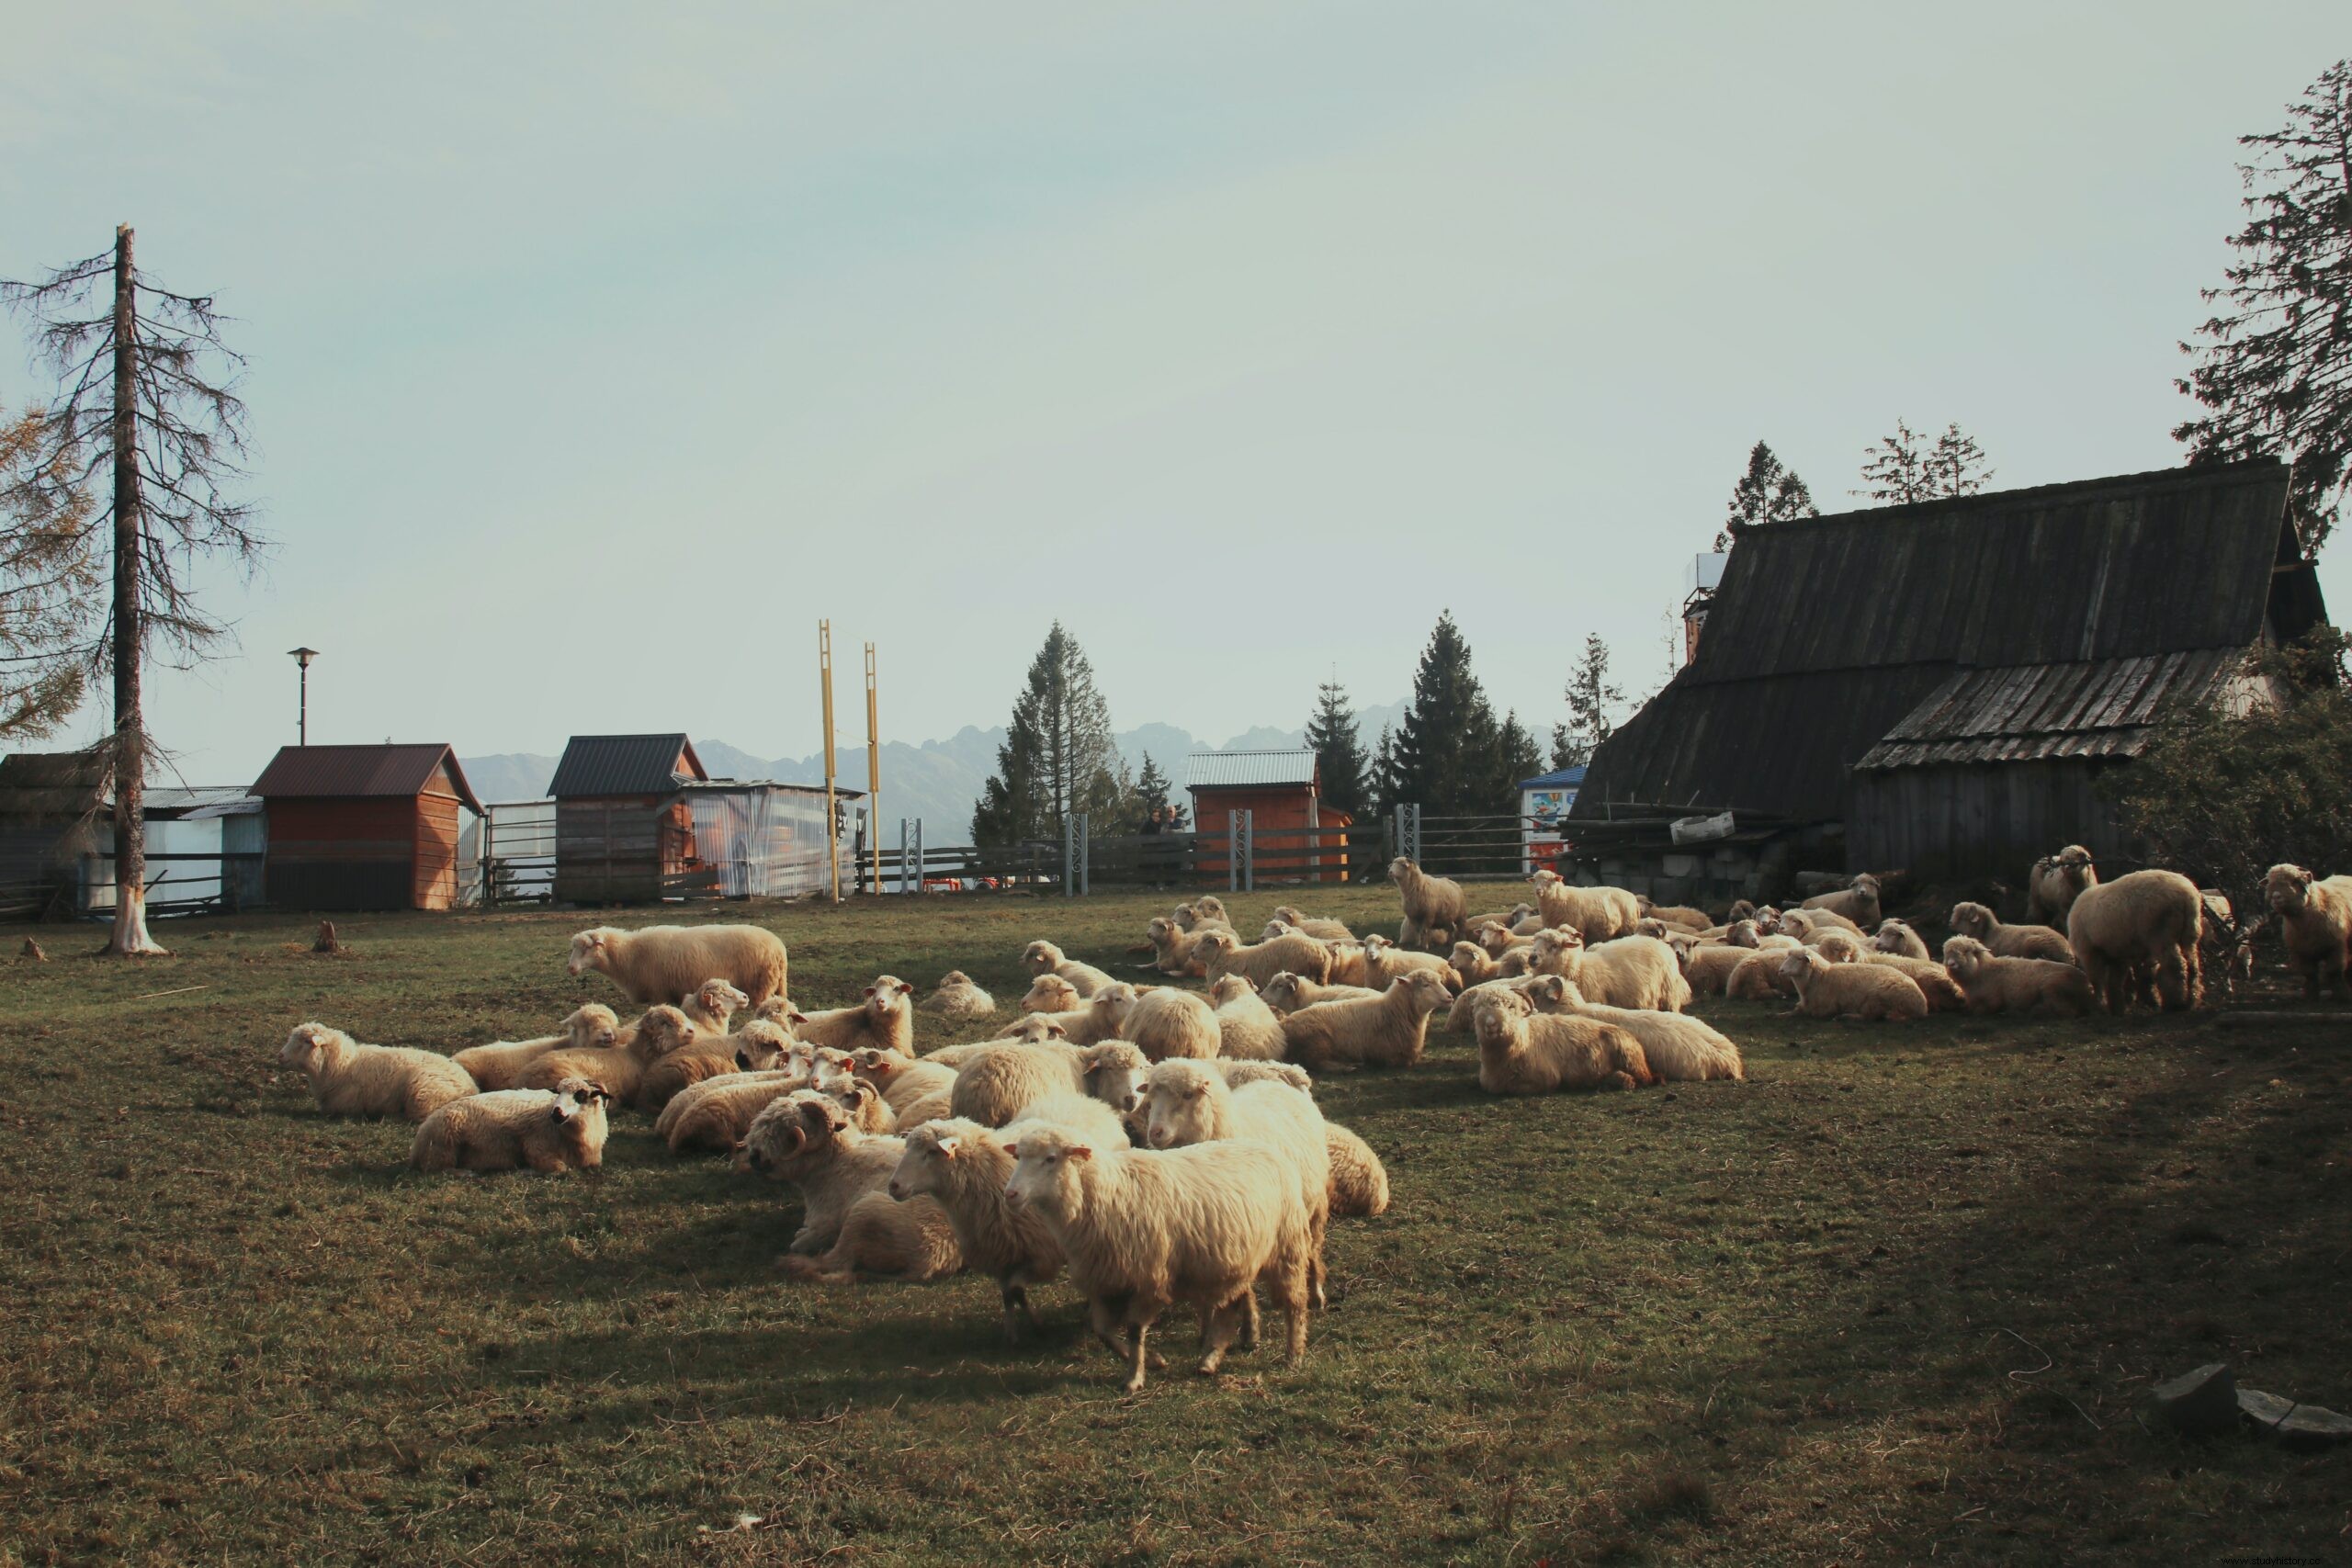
(623, 765)
(348, 771)
(1827, 631)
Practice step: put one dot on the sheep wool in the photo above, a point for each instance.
(2314, 926)
(348, 1078)
(665, 964)
(546, 1130)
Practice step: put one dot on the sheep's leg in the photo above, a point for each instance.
(1290, 1287)
(1248, 1301)
(809, 1239)
(1218, 1325)
(544, 1160)
(1135, 1365)
(1016, 1307)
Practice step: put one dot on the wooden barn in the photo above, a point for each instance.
(1283, 791)
(363, 827)
(52, 805)
(623, 833)
(1946, 679)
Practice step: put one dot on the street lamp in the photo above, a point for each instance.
(304, 655)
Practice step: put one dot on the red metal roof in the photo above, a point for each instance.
(349, 772)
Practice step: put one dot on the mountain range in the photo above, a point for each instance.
(939, 781)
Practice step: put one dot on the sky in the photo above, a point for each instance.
(596, 353)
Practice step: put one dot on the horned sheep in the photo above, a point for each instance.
(548, 1129)
(664, 964)
(849, 1221)
(348, 1078)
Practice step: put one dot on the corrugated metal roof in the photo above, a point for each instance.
(2102, 708)
(1558, 778)
(1826, 632)
(1244, 770)
(623, 765)
(352, 771)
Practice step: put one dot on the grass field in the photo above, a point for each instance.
(1891, 1301)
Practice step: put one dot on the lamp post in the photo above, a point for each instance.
(304, 655)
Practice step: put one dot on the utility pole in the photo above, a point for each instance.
(825, 676)
(873, 771)
(304, 655)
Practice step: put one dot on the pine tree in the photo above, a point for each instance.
(1517, 757)
(1902, 469)
(1442, 755)
(1057, 756)
(1340, 757)
(1591, 696)
(1387, 793)
(2271, 373)
(1768, 492)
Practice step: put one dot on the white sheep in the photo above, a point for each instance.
(1681, 917)
(916, 1092)
(2314, 926)
(1247, 1028)
(716, 1113)
(2147, 922)
(1359, 1181)
(1679, 1048)
(351, 1079)
(849, 1221)
(1287, 992)
(957, 996)
(664, 964)
(1350, 964)
(884, 1019)
(1384, 961)
(1433, 904)
(1143, 1231)
(1324, 931)
(1103, 1017)
(1896, 936)
(547, 1130)
(1599, 914)
(1043, 957)
(2009, 942)
(1167, 1022)
(1759, 977)
(1462, 1015)
(2040, 987)
(1856, 902)
(1867, 991)
(996, 1084)
(1050, 993)
(1628, 972)
(1222, 953)
(2056, 881)
(499, 1065)
(1523, 1052)
(1205, 913)
(710, 1006)
(619, 1070)
(1390, 1030)
(1175, 950)
(1188, 1103)
(1708, 968)
(1935, 981)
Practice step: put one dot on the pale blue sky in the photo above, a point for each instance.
(597, 354)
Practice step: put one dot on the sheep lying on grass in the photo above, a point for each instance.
(1628, 972)
(1359, 1181)
(1188, 1103)
(1043, 958)
(2039, 986)
(2056, 881)
(1222, 953)
(1175, 950)
(1433, 906)
(1856, 902)
(884, 1019)
(916, 1092)
(1384, 961)
(1523, 1052)
(1390, 1030)
(851, 1224)
(1169, 1022)
(664, 964)
(957, 996)
(1247, 1030)
(1051, 993)
(1759, 979)
(351, 1079)
(1897, 937)
(996, 1084)
(1934, 982)
(620, 1070)
(1707, 970)
(716, 1113)
(2314, 926)
(1678, 1048)
(2009, 942)
(1205, 913)
(547, 1130)
(712, 1004)
(1103, 1017)
(1867, 991)
(708, 1058)
(2148, 922)
(499, 1065)
(1323, 931)
(1462, 1017)
(1142, 1231)
(1680, 916)
(1287, 992)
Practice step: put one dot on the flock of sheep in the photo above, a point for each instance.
(1164, 1146)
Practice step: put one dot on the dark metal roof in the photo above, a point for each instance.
(51, 784)
(1248, 770)
(1558, 778)
(623, 765)
(358, 771)
(1826, 632)
(2098, 709)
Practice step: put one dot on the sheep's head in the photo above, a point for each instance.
(579, 1114)
(778, 1010)
(592, 1028)
(1035, 1029)
(1276, 927)
(1040, 956)
(1111, 1005)
(1517, 962)
(1163, 931)
(1651, 926)
(1839, 946)
(1964, 956)
(1290, 914)
(1500, 1020)
(789, 1129)
(932, 1149)
(1553, 993)
(663, 1029)
(2287, 888)
(1049, 993)
(1893, 936)
(1231, 987)
(594, 949)
(1866, 885)
(1425, 989)
(862, 1102)
(1468, 958)
(1180, 1103)
(1546, 881)
(831, 1067)
(1220, 944)
(1044, 1177)
(1550, 944)
(717, 1000)
(1116, 1071)
(955, 979)
(1280, 993)
(308, 1044)
(1800, 964)
(1741, 909)
(875, 1066)
(1376, 946)
(2073, 857)
(1209, 907)
(761, 1046)
(1768, 920)
(1743, 933)
(1402, 869)
(1496, 939)
(1798, 923)
(1971, 920)
(887, 997)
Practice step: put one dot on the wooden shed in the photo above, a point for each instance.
(50, 807)
(623, 833)
(1282, 793)
(1946, 679)
(363, 827)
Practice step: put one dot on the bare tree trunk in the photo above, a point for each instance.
(130, 730)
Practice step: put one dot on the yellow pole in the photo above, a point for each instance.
(825, 676)
(872, 773)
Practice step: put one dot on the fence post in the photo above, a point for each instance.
(1069, 825)
(1413, 829)
(1085, 855)
(919, 855)
(1250, 851)
(1233, 851)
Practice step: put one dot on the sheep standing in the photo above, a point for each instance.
(957, 996)
(1247, 1030)
(2056, 881)
(1896, 936)
(664, 964)
(1287, 992)
(1142, 1231)
(850, 1223)
(499, 1065)
(1523, 1052)
(1629, 972)
(2039, 986)
(617, 1071)
(2011, 941)
(1187, 1103)
(1390, 1030)
(351, 1079)
(508, 1129)
(2149, 921)
(1678, 1048)
(961, 1164)
(2314, 926)
(1222, 953)
(1043, 958)
(1856, 901)
(1866, 991)
(1433, 906)
(885, 1019)
(1599, 914)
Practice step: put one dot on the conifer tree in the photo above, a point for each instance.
(1442, 755)
(1338, 750)
(1057, 756)
(1768, 492)
(1901, 467)
(1151, 795)
(1591, 695)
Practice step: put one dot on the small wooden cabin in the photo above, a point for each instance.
(1282, 793)
(363, 827)
(623, 833)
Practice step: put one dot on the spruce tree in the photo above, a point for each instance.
(1901, 467)
(1590, 697)
(1517, 757)
(1442, 755)
(1057, 756)
(1338, 750)
(1768, 492)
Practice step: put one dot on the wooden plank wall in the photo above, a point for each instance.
(1981, 820)
(608, 850)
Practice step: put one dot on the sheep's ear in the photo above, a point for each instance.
(1079, 1151)
(947, 1145)
(1012, 1148)
(797, 1017)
